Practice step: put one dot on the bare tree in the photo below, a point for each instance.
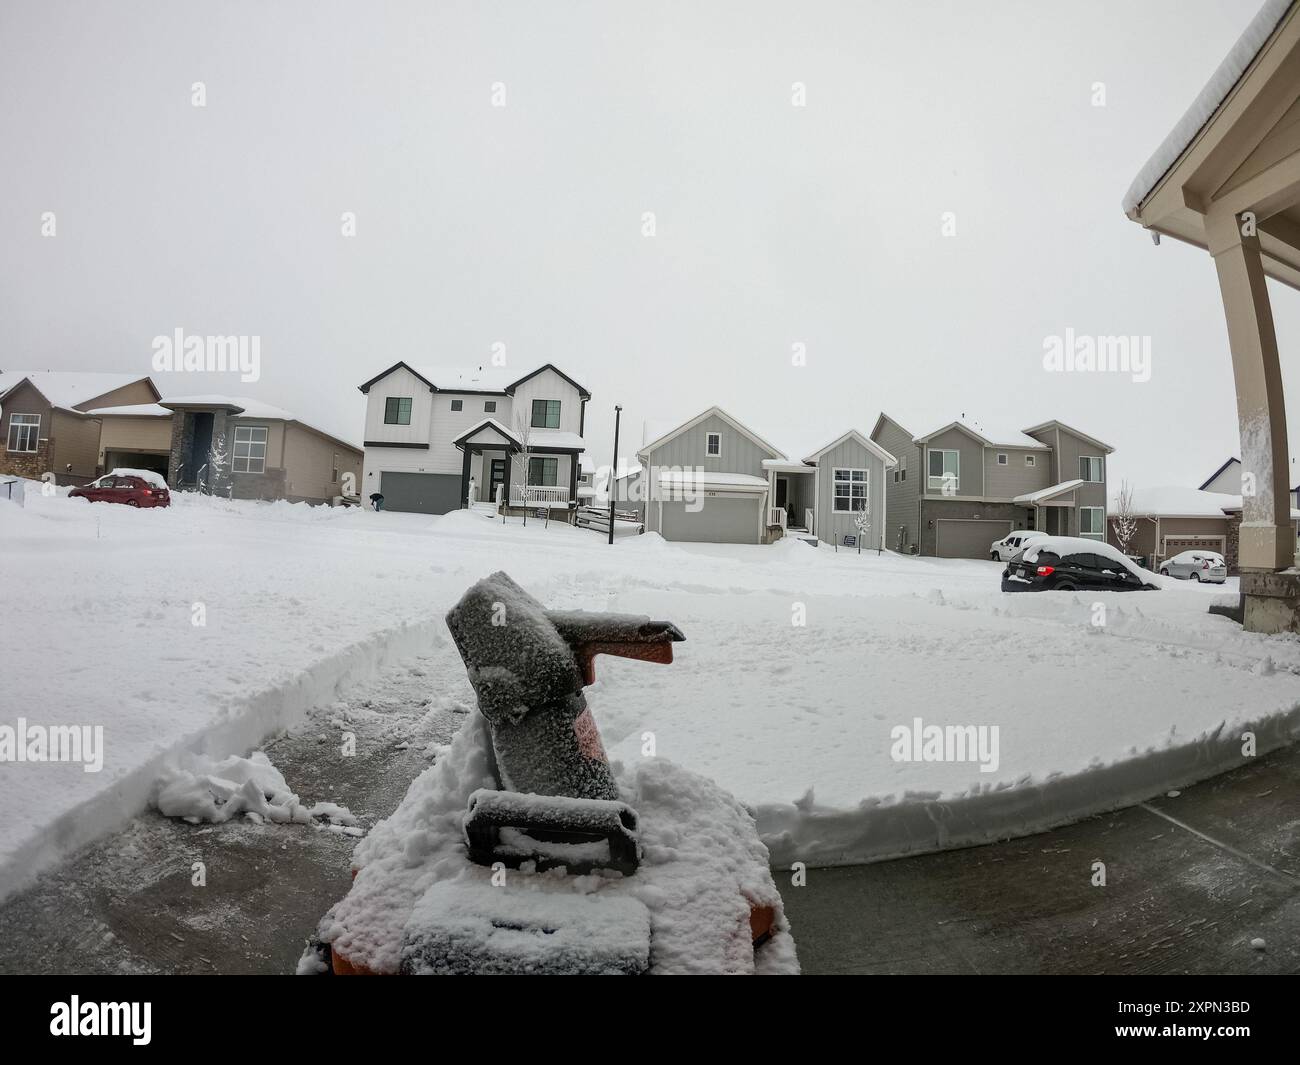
(524, 434)
(1124, 522)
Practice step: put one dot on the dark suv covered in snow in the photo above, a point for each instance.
(1069, 564)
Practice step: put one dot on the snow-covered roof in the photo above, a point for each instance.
(469, 378)
(703, 480)
(992, 433)
(134, 410)
(1216, 90)
(1047, 493)
(555, 438)
(788, 466)
(249, 408)
(68, 388)
(488, 423)
(1179, 501)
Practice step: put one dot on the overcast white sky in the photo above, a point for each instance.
(776, 225)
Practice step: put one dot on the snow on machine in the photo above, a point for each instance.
(522, 850)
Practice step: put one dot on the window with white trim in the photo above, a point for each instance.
(250, 449)
(24, 432)
(457, 404)
(902, 468)
(713, 444)
(1002, 458)
(945, 469)
(1029, 460)
(851, 488)
(1090, 467)
(1091, 522)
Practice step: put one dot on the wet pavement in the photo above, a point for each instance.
(1191, 880)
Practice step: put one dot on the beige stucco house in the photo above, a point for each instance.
(78, 426)
(48, 424)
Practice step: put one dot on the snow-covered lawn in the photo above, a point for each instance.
(101, 605)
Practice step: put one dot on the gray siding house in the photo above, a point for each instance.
(958, 488)
(713, 479)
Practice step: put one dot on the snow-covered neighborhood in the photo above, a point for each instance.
(547, 519)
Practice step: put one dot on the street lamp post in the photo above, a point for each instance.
(613, 473)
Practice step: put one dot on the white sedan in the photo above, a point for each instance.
(1002, 550)
(1196, 566)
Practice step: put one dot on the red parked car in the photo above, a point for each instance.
(133, 489)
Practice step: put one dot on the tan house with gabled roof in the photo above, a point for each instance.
(47, 424)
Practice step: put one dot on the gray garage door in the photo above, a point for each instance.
(421, 493)
(967, 538)
(720, 520)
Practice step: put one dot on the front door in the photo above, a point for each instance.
(782, 491)
(498, 476)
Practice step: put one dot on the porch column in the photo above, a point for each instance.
(1266, 538)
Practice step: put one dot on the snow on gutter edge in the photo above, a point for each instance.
(1220, 85)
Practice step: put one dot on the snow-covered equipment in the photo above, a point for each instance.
(522, 850)
(528, 667)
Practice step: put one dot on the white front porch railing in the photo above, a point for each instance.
(536, 495)
(776, 516)
(808, 520)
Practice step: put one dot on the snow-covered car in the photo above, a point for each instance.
(1002, 550)
(1070, 564)
(135, 488)
(1205, 566)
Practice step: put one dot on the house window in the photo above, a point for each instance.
(945, 470)
(489, 406)
(902, 468)
(546, 414)
(24, 431)
(250, 449)
(713, 444)
(851, 487)
(397, 410)
(1090, 467)
(543, 471)
(457, 404)
(1002, 458)
(334, 473)
(1090, 522)
(1029, 460)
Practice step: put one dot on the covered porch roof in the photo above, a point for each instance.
(1051, 496)
(1237, 149)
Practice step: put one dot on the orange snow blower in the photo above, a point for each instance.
(538, 798)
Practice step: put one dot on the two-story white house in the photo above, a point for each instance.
(441, 438)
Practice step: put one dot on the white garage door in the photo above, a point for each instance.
(1176, 545)
(967, 537)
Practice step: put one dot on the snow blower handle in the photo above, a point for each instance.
(624, 635)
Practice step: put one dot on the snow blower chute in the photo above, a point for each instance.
(476, 870)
